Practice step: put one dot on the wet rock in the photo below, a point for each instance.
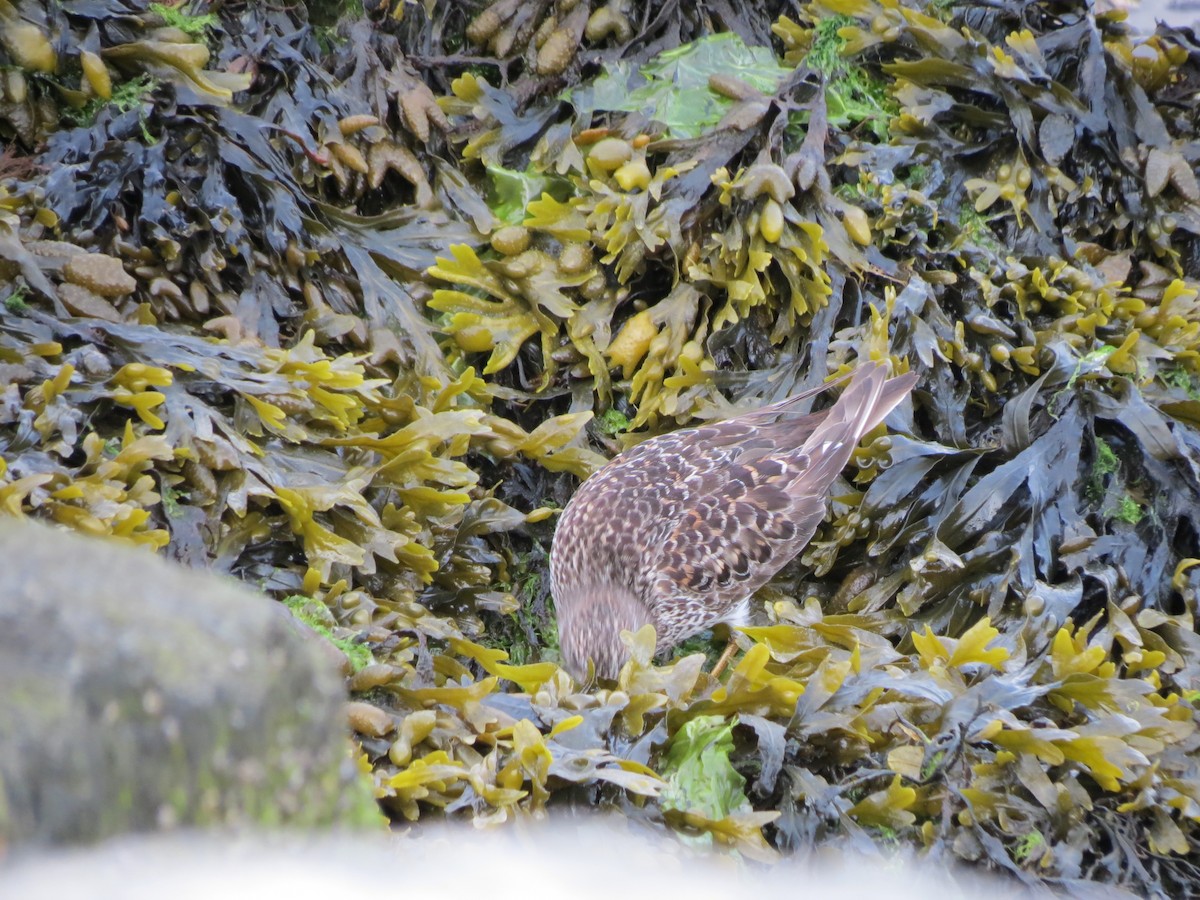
(138, 696)
(82, 302)
(100, 274)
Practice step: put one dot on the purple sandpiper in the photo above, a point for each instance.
(680, 530)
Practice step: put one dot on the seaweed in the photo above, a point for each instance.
(347, 312)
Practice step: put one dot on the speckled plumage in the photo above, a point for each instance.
(680, 530)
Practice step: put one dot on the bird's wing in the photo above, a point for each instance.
(754, 498)
(743, 521)
(742, 430)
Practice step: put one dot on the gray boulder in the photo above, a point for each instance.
(135, 696)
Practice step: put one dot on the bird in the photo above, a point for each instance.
(680, 530)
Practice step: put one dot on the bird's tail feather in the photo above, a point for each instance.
(862, 406)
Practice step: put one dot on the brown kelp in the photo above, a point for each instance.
(345, 301)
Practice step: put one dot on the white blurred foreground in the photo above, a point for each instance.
(1144, 15)
(562, 858)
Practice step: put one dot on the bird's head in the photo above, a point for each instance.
(590, 622)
